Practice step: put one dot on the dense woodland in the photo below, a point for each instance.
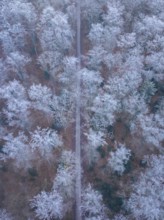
(122, 109)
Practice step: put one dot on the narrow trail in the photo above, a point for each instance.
(78, 133)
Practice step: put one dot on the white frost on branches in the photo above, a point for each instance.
(17, 148)
(152, 127)
(4, 215)
(95, 140)
(56, 33)
(64, 181)
(41, 96)
(17, 104)
(104, 108)
(92, 204)
(45, 140)
(48, 205)
(119, 159)
(147, 199)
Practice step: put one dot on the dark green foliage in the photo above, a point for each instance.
(3, 168)
(159, 86)
(46, 75)
(3, 120)
(1, 148)
(128, 167)
(57, 126)
(129, 164)
(148, 90)
(115, 203)
(91, 167)
(109, 148)
(32, 172)
(109, 196)
(32, 51)
(110, 128)
(101, 151)
(143, 163)
(106, 189)
(102, 84)
(154, 107)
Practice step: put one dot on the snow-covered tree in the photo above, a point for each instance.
(4, 215)
(3, 73)
(148, 90)
(63, 107)
(16, 62)
(13, 38)
(17, 105)
(92, 204)
(56, 33)
(15, 12)
(127, 41)
(120, 217)
(48, 205)
(147, 29)
(118, 159)
(67, 78)
(55, 38)
(18, 20)
(41, 97)
(95, 139)
(90, 84)
(45, 140)
(50, 62)
(147, 199)
(149, 33)
(156, 6)
(103, 109)
(7, 42)
(151, 127)
(64, 181)
(96, 35)
(60, 107)
(18, 149)
(96, 57)
(124, 85)
(92, 10)
(60, 200)
(106, 34)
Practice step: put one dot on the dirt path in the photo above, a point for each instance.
(78, 141)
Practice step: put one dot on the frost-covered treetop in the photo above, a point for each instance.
(120, 217)
(55, 30)
(15, 94)
(18, 11)
(104, 108)
(95, 138)
(147, 198)
(125, 84)
(64, 181)
(67, 159)
(48, 205)
(45, 140)
(17, 148)
(41, 96)
(92, 204)
(17, 105)
(4, 215)
(118, 159)
(12, 89)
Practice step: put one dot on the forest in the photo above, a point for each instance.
(81, 109)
